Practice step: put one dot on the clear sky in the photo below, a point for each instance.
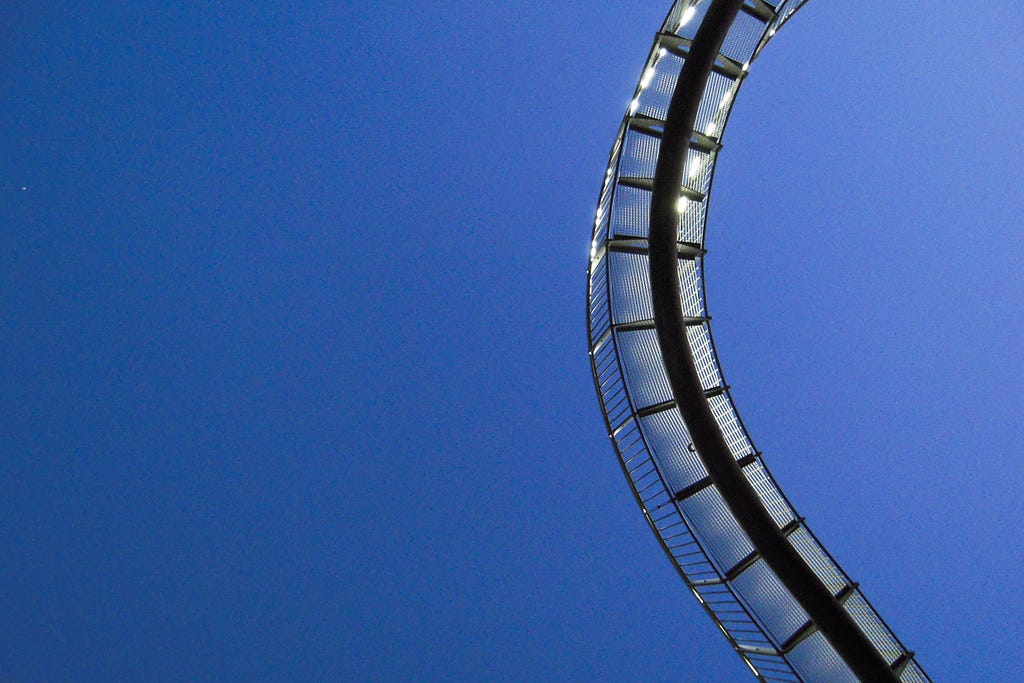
(294, 384)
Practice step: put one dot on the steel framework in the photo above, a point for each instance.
(783, 603)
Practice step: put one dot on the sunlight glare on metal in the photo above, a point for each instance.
(687, 15)
(646, 79)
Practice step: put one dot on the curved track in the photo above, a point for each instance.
(784, 604)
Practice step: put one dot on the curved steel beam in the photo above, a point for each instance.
(834, 622)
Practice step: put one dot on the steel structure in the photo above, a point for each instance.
(783, 603)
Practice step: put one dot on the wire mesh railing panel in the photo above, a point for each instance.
(691, 220)
(639, 155)
(774, 606)
(743, 38)
(654, 98)
(698, 171)
(876, 631)
(817, 660)
(715, 104)
(670, 441)
(631, 213)
(684, 18)
(704, 356)
(643, 369)
(629, 282)
(914, 674)
(713, 522)
(818, 560)
(691, 288)
(728, 421)
(769, 494)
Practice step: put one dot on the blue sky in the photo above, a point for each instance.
(294, 382)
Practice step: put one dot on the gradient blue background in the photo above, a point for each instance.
(293, 382)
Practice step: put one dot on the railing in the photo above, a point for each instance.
(758, 615)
